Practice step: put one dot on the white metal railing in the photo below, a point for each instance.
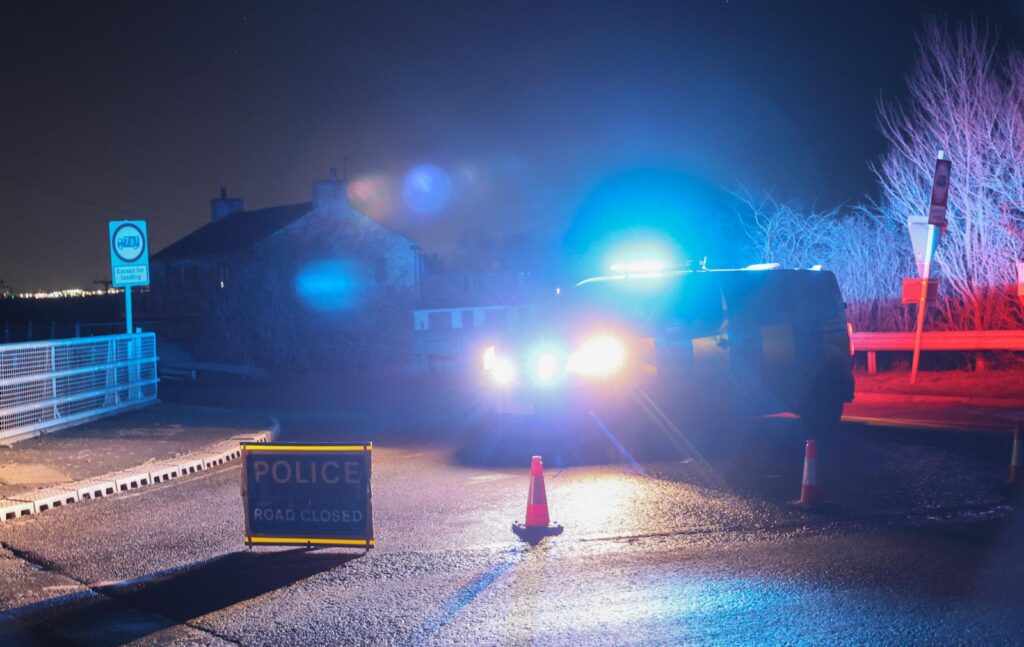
(57, 383)
(469, 317)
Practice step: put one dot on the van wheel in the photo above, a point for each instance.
(823, 409)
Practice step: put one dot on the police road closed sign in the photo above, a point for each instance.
(307, 494)
(129, 253)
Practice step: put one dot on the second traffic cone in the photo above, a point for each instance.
(538, 522)
(1016, 469)
(810, 493)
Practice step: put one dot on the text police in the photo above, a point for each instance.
(301, 492)
(308, 471)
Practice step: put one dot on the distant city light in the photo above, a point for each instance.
(427, 189)
(67, 294)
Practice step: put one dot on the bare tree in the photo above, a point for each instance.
(967, 100)
(867, 253)
(783, 233)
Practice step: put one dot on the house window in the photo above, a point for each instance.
(496, 318)
(440, 320)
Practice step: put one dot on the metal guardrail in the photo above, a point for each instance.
(949, 340)
(946, 340)
(52, 384)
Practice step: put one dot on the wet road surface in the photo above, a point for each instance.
(921, 544)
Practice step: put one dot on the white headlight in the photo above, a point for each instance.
(504, 371)
(547, 367)
(490, 355)
(600, 356)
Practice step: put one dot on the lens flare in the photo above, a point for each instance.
(327, 286)
(547, 367)
(427, 189)
(600, 356)
(370, 194)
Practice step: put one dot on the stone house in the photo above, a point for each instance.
(252, 281)
(326, 228)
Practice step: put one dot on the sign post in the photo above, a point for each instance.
(1020, 280)
(307, 494)
(129, 260)
(129, 265)
(912, 291)
(924, 251)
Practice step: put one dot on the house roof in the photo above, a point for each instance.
(234, 233)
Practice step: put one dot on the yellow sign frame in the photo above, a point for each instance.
(256, 448)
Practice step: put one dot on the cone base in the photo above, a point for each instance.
(822, 507)
(532, 533)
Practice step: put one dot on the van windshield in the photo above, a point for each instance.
(679, 299)
(633, 299)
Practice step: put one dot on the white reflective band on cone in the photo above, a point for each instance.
(811, 471)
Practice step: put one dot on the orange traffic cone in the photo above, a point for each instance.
(1016, 470)
(538, 523)
(810, 493)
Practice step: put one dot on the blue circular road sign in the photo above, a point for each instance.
(128, 243)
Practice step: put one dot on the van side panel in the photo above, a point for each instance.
(786, 328)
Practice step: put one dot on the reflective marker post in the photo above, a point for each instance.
(936, 225)
(922, 302)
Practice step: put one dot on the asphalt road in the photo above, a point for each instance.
(921, 544)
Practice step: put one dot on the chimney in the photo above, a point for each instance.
(224, 206)
(330, 193)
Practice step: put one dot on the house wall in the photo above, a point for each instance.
(329, 233)
(343, 234)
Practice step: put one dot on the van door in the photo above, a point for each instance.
(693, 345)
(763, 337)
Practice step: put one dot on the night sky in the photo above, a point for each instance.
(146, 109)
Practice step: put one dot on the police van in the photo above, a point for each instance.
(750, 341)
